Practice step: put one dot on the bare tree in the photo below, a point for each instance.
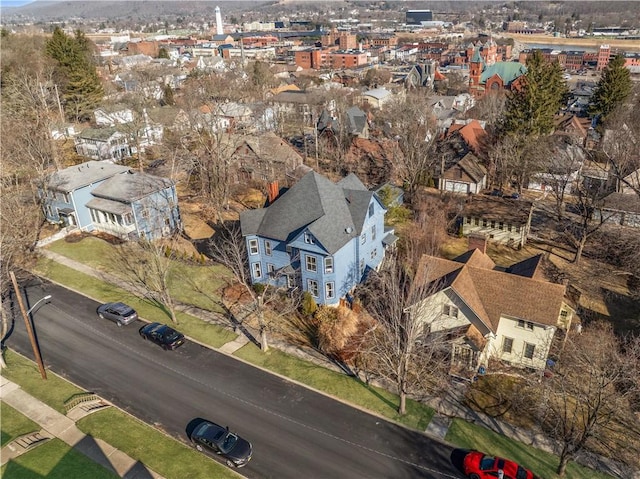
(515, 158)
(588, 201)
(561, 160)
(621, 143)
(410, 122)
(146, 266)
(489, 108)
(266, 302)
(588, 403)
(399, 346)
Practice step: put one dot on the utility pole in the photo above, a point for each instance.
(27, 322)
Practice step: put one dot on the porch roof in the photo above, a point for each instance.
(109, 206)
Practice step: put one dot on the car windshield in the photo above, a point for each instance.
(487, 463)
(228, 442)
(171, 335)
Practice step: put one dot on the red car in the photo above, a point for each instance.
(477, 465)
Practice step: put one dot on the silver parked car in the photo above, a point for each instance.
(119, 313)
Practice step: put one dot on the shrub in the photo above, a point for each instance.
(309, 305)
(335, 327)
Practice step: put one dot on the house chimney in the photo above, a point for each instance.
(272, 191)
(478, 241)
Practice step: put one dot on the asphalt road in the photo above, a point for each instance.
(296, 433)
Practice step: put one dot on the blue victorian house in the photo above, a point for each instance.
(101, 196)
(318, 236)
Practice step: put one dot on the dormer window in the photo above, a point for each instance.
(308, 238)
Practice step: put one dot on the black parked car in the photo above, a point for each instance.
(166, 337)
(210, 437)
(119, 313)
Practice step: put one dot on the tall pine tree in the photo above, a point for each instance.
(530, 111)
(613, 88)
(76, 74)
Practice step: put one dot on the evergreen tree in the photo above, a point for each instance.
(613, 88)
(76, 75)
(531, 109)
(167, 95)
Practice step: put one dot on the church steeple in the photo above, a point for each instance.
(476, 65)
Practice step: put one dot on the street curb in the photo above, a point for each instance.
(179, 441)
(294, 381)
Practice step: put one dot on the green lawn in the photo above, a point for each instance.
(164, 455)
(54, 391)
(339, 385)
(54, 460)
(190, 284)
(195, 328)
(14, 424)
(470, 436)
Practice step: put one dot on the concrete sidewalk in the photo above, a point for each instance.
(446, 408)
(58, 425)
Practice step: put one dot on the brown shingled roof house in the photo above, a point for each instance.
(265, 157)
(492, 313)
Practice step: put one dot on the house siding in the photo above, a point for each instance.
(350, 261)
(372, 246)
(539, 336)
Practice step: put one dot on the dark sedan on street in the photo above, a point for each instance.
(119, 313)
(210, 437)
(163, 335)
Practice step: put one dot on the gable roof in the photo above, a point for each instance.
(471, 165)
(472, 133)
(75, 177)
(517, 212)
(357, 120)
(492, 293)
(333, 213)
(377, 93)
(271, 147)
(131, 187)
(529, 268)
(508, 71)
(102, 134)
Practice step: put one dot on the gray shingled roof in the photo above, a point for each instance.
(333, 214)
(131, 187)
(357, 120)
(109, 206)
(102, 134)
(75, 177)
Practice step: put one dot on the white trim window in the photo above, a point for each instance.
(312, 287)
(373, 232)
(363, 238)
(253, 247)
(507, 345)
(529, 350)
(257, 270)
(328, 265)
(311, 263)
(308, 238)
(525, 324)
(267, 247)
(449, 310)
(271, 269)
(330, 290)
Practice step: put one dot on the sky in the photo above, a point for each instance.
(14, 3)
